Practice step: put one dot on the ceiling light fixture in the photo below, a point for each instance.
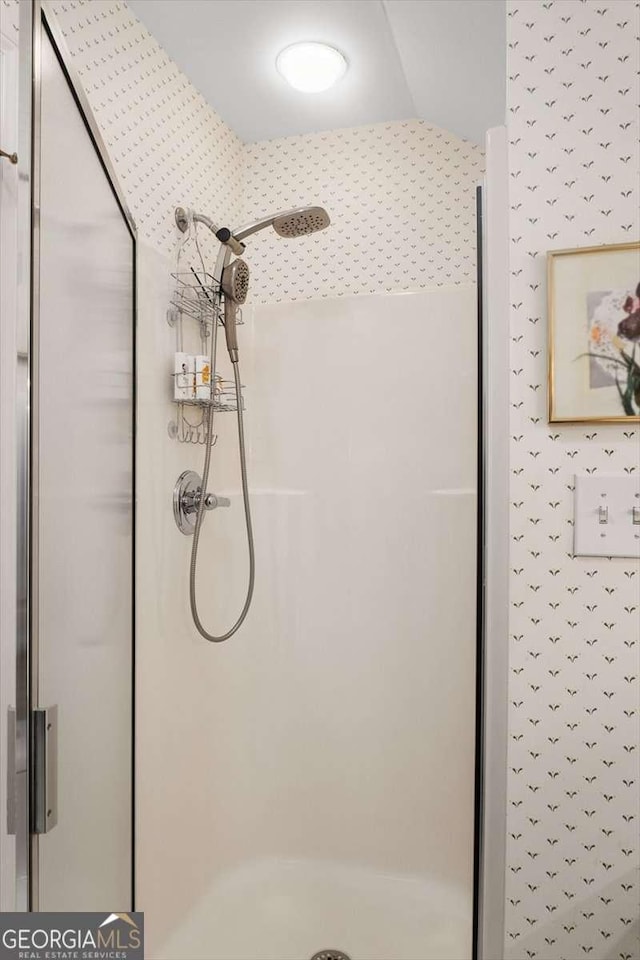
(311, 67)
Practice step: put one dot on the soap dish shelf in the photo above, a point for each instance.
(225, 401)
(186, 430)
(220, 406)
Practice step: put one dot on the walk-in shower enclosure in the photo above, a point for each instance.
(310, 784)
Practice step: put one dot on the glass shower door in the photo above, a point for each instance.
(8, 467)
(82, 503)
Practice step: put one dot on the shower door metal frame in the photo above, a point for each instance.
(37, 16)
(493, 551)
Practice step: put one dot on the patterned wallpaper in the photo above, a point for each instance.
(573, 790)
(168, 146)
(401, 195)
(402, 201)
(9, 18)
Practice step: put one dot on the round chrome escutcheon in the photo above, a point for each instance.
(185, 501)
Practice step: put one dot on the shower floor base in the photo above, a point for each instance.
(291, 910)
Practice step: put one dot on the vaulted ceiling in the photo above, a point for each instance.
(439, 60)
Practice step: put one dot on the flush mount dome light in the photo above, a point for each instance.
(311, 67)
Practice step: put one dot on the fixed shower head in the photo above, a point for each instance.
(235, 286)
(298, 222)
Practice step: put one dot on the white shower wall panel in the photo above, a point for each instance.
(323, 759)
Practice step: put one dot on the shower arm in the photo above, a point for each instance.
(249, 228)
(234, 244)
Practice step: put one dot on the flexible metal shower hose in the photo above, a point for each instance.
(247, 511)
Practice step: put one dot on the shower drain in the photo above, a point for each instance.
(330, 955)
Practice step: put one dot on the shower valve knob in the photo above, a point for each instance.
(187, 494)
(211, 501)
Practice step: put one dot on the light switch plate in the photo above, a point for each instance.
(605, 508)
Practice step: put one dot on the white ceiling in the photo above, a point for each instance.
(440, 60)
(454, 54)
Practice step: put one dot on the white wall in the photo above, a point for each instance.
(573, 797)
(318, 767)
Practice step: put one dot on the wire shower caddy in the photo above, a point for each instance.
(196, 297)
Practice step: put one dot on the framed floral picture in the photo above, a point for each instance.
(594, 334)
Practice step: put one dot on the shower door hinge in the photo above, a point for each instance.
(44, 769)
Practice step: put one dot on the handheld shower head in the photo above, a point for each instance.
(235, 281)
(235, 286)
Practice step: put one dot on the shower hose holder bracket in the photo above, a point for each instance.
(182, 219)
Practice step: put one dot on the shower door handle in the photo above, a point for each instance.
(44, 770)
(11, 771)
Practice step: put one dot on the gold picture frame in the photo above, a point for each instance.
(593, 309)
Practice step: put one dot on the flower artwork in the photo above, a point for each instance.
(614, 344)
(594, 334)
